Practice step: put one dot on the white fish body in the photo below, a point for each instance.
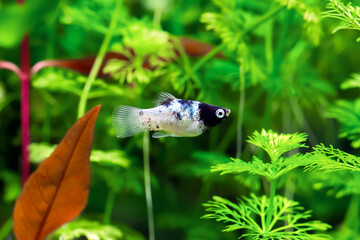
(172, 117)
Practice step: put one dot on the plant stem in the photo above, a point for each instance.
(300, 118)
(147, 182)
(271, 205)
(157, 17)
(25, 118)
(264, 18)
(110, 200)
(220, 47)
(241, 108)
(6, 228)
(208, 56)
(98, 61)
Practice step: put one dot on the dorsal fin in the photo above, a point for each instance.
(163, 97)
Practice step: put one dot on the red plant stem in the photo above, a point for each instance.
(25, 124)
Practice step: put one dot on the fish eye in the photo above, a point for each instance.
(220, 113)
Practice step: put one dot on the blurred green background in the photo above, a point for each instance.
(282, 69)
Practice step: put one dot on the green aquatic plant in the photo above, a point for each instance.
(330, 159)
(149, 50)
(245, 215)
(311, 14)
(339, 184)
(99, 59)
(40, 151)
(347, 13)
(263, 216)
(89, 229)
(79, 13)
(230, 25)
(348, 113)
(341, 178)
(64, 81)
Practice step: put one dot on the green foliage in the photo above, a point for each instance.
(122, 179)
(329, 159)
(275, 145)
(272, 49)
(90, 229)
(201, 163)
(256, 166)
(79, 12)
(228, 24)
(348, 114)
(11, 183)
(353, 82)
(347, 13)
(261, 216)
(310, 14)
(340, 183)
(147, 48)
(16, 20)
(113, 157)
(40, 151)
(59, 80)
(251, 213)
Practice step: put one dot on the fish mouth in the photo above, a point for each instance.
(227, 112)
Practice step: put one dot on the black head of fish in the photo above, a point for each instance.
(212, 115)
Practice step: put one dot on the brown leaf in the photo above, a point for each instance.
(195, 48)
(191, 47)
(81, 65)
(58, 190)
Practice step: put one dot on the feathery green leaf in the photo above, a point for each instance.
(329, 159)
(250, 215)
(277, 144)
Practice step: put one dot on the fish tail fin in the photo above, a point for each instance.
(125, 120)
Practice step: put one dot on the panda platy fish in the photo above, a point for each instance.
(171, 117)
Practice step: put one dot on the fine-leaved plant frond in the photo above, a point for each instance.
(277, 144)
(353, 82)
(339, 184)
(251, 213)
(93, 230)
(348, 114)
(330, 159)
(347, 13)
(228, 24)
(256, 166)
(92, 16)
(148, 50)
(310, 14)
(64, 81)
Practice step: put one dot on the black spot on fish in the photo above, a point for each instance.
(141, 113)
(166, 103)
(178, 116)
(185, 103)
(207, 114)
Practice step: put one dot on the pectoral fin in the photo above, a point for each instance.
(160, 134)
